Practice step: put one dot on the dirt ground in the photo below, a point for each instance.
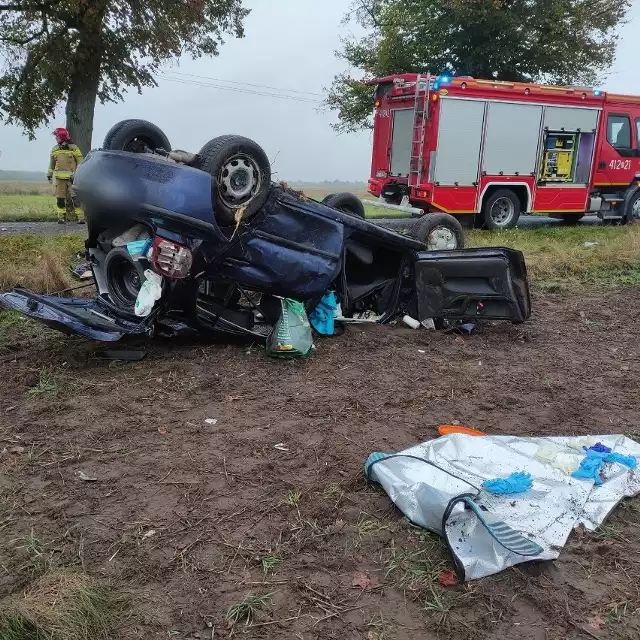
(189, 517)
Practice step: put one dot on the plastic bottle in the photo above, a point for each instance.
(411, 322)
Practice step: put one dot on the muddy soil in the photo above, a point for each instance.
(208, 472)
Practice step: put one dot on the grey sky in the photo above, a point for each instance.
(288, 44)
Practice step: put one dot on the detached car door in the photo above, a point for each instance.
(486, 283)
(87, 318)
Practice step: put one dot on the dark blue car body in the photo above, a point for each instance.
(292, 247)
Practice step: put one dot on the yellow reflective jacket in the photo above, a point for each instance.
(65, 159)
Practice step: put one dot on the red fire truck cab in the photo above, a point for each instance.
(495, 150)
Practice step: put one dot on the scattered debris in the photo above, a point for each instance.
(518, 482)
(446, 429)
(291, 336)
(82, 271)
(149, 294)
(411, 322)
(591, 244)
(85, 477)
(448, 578)
(322, 318)
(281, 447)
(211, 421)
(163, 431)
(17, 450)
(490, 534)
(362, 581)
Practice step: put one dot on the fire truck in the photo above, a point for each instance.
(491, 151)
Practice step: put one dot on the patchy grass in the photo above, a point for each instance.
(270, 564)
(27, 208)
(331, 491)
(378, 628)
(36, 262)
(292, 498)
(64, 605)
(46, 384)
(248, 609)
(558, 259)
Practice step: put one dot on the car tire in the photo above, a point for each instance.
(439, 232)
(124, 277)
(229, 157)
(501, 210)
(138, 136)
(345, 202)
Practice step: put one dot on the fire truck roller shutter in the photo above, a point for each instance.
(511, 139)
(570, 119)
(402, 135)
(459, 140)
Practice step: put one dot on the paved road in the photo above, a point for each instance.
(49, 228)
(41, 228)
(525, 222)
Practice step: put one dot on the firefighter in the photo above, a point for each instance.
(65, 158)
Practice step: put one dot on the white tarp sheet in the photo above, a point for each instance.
(426, 480)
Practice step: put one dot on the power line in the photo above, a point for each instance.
(248, 84)
(239, 90)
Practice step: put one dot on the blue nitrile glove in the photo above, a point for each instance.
(599, 448)
(515, 483)
(590, 466)
(322, 317)
(627, 461)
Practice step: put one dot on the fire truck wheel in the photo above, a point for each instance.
(345, 202)
(138, 136)
(634, 205)
(438, 231)
(501, 210)
(242, 173)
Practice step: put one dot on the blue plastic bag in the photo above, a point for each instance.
(322, 317)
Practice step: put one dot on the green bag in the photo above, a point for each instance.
(291, 337)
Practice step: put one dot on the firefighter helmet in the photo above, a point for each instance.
(61, 134)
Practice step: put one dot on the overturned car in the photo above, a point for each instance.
(222, 245)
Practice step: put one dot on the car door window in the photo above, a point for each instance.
(637, 133)
(619, 131)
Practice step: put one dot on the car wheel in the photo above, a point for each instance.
(137, 136)
(242, 174)
(124, 277)
(345, 202)
(438, 231)
(501, 210)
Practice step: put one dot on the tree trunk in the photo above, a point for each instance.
(83, 91)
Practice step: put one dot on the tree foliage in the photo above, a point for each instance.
(553, 41)
(80, 50)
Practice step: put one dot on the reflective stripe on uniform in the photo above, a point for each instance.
(63, 175)
(63, 152)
